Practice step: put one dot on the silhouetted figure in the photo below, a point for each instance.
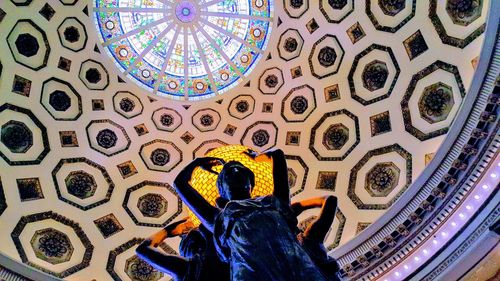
(256, 236)
(314, 235)
(198, 260)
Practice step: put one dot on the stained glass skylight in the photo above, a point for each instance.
(185, 49)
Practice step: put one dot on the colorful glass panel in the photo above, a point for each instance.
(185, 49)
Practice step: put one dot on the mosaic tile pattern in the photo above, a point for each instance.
(435, 101)
(415, 45)
(52, 245)
(380, 123)
(108, 225)
(382, 178)
(395, 9)
(29, 189)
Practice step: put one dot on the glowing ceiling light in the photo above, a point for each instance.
(204, 182)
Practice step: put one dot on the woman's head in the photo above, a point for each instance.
(235, 181)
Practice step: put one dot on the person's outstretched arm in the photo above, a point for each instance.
(175, 229)
(280, 175)
(173, 265)
(318, 229)
(280, 171)
(200, 207)
(301, 206)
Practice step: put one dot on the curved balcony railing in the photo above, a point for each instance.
(469, 148)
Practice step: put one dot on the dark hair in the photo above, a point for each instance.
(222, 175)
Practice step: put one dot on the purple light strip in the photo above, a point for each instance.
(446, 231)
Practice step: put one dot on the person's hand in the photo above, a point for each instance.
(207, 163)
(250, 153)
(273, 152)
(174, 225)
(158, 238)
(255, 156)
(297, 208)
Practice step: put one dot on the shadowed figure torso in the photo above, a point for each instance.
(258, 238)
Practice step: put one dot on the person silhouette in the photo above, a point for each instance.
(194, 241)
(256, 236)
(313, 236)
(199, 241)
(198, 260)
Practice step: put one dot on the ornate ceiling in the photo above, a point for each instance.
(359, 95)
(185, 49)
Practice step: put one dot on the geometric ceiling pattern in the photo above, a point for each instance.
(358, 94)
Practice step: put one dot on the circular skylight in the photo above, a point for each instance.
(185, 49)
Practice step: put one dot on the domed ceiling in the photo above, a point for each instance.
(104, 102)
(185, 49)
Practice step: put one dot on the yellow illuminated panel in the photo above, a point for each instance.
(204, 182)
